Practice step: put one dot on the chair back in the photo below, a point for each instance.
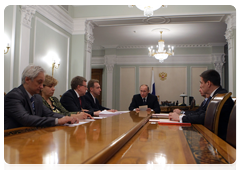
(234, 99)
(213, 111)
(231, 130)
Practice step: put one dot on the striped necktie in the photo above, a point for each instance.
(33, 104)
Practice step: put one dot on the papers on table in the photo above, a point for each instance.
(168, 122)
(161, 115)
(106, 113)
(83, 121)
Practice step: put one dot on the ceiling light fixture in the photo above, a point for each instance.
(159, 52)
(148, 9)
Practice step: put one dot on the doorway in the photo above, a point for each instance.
(97, 74)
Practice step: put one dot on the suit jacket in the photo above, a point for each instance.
(198, 117)
(70, 101)
(152, 102)
(18, 110)
(96, 106)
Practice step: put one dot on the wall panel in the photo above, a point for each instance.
(51, 44)
(195, 83)
(127, 86)
(170, 88)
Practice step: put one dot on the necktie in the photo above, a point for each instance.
(144, 101)
(33, 104)
(80, 101)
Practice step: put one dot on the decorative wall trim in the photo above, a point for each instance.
(175, 46)
(27, 13)
(144, 59)
(57, 15)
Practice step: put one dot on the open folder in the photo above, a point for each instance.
(169, 122)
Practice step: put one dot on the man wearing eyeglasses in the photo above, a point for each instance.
(73, 100)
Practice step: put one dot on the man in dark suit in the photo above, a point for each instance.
(23, 106)
(94, 90)
(210, 85)
(73, 99)
(145, 98)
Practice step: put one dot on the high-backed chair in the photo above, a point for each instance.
(234, 99)
(213, 111)
(231, 130)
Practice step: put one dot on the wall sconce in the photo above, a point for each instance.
(54, 65)
(8, 47)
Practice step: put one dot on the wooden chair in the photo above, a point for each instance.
(231, 130)
(234, 99)
(213, 111)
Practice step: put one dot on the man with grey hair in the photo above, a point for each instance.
(23, 106)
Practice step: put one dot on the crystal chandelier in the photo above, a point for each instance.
(159, 52)
(148, 9)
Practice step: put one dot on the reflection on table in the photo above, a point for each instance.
(121, 139)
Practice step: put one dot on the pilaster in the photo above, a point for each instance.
(230, 36)
(27, 12)
(218, 62)
(89, 39)
(109, 62)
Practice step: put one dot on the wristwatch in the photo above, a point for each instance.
(182, 112)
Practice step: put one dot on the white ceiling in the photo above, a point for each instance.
(188, 29)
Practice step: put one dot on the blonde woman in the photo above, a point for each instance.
(53, 103)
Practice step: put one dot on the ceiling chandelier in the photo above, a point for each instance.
(148, 9)
(159, 52)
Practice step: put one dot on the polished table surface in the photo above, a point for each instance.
(120, 139)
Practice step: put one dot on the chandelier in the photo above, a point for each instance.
(159, 52)
(148, 9)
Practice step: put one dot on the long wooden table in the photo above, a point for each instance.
(122, 139)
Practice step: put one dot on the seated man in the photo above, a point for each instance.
(145, 98)
(210, 85)
(203, 106)
(23, 106)
(73, 99)
(94, 90)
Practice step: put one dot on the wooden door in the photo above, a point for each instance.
(97, 74)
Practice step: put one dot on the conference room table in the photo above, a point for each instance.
(127, 138)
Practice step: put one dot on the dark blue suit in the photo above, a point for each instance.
(152, 102)
(96, 106)
(18, 110)
(70, 101)
(199, 116)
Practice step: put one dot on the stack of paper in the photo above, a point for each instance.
(161, 115)
(168, 122)
(106, 113)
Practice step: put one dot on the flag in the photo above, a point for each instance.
(153, 84)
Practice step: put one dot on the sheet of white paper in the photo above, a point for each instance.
(143, 108)
(74, 124)
(98, 117)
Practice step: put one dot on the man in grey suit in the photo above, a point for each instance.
(23, 106)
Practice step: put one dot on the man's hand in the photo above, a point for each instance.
(174, 116)
(148, 109)
(82, 115)
(178, 111)
(137, 109)
(112, 110)
(97, 113)
(67, 119)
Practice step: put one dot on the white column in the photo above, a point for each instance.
(27, 13)
(218, 62)
(230, 35)
(109, 61)
(89, 39)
